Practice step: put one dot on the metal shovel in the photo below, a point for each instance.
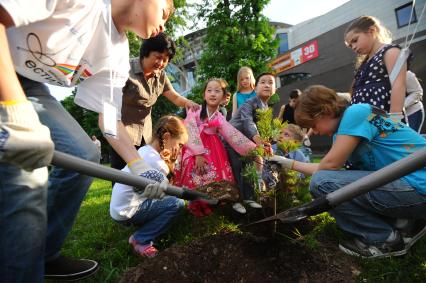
(394, 171)
(88, 168)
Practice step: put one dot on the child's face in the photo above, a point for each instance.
(213, 94)
(360, 42)
(226, 100)
(265, 86)
(173, 144)
(148, 17)
(325, 125)
(292, 102)
(285, 135)
(245, 80)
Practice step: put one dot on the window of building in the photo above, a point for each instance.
(290, 78)
(403, 15)
(283, 44)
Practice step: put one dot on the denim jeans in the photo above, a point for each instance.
(416, 119)
(154, 218)
(29, 200)
(371, 216)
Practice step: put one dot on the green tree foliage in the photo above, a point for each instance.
(238, 34)
(268, 127)
(87, 119)
(176, 21)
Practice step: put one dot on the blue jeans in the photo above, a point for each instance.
(370, 216)
(416, 119)
(154, 218)
(30, 200)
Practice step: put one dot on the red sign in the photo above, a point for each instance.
(309, 51)
(295, 57)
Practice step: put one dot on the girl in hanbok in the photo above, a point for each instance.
(204, 158)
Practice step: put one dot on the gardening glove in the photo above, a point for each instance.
(306, 141)
(154, 190)
(24, 141)
(285, 163)
(199, 208)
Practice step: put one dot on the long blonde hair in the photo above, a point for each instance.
(365, 24)
(249, 71)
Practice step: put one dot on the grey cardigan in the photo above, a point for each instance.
(245, 119)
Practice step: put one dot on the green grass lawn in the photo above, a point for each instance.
(96, 236)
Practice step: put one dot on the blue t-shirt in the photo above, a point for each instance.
(243, 97)
(297, 154)
(383, 141)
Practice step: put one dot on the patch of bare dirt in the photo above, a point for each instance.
(245, 257)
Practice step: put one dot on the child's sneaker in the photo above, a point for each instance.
(147, 250)
(356, 247)
(253, 204)
(238, 207)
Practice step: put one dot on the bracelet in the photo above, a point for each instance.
(133, 161)
(292, 164)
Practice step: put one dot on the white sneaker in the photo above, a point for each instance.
(253, 204)
(238, 207)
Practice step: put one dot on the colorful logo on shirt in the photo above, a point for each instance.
(74, 70)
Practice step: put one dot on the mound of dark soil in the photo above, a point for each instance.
(223, 191)
(235, 257)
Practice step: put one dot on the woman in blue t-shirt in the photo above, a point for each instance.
(383, 222)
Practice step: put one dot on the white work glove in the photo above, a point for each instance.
(151, 191)
(285, 163)
(306, 141)
(24, 141)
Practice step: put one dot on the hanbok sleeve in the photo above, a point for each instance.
(195, 145)
(239, 142)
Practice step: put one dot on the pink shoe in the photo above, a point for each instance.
(147, 250)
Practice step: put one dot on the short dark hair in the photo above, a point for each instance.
(295, 93)
(159, 43)
(262, 75)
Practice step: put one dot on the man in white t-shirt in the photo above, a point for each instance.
(65, 43)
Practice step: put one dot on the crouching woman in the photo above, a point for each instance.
(387, 220)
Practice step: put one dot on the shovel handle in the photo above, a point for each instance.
(391, 172)
(89, 168)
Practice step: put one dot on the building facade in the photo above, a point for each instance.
(314, 52)
(318, 55)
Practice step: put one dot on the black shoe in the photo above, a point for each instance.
(65, 268)
(356, 247)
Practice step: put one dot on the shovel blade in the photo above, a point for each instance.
(288, 216)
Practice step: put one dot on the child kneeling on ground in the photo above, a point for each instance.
(154, 216)
(368, 138)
